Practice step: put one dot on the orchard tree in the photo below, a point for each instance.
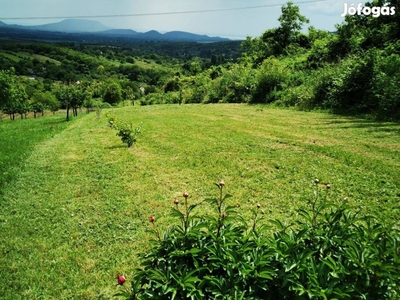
(79, 95)
(52, 102)
(13, 98)
(7, 83)
(65, 96)
(127, 94)
(42, 100)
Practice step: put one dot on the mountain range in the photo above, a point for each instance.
(81, 27)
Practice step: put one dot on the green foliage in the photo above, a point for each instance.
(291, 22)
(71, 96)
(13, 98)
(271, 78)
(125, 131)
(112, 93)
(330, 252)
(353, 70)
(386, 87)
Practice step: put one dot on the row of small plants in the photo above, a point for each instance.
(331, 251)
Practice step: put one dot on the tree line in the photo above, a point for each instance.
(354, 70)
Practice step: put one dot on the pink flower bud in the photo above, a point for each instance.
(121, 280)
(185, 194)
(152, 219)
(176, 201)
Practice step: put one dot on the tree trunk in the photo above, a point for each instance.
(67, 112)
(34, 114)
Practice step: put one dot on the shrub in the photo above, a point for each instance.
(330, 252)
(350, 89)
(125, 131)
(271, 77)
(386, 87)
(105, 105)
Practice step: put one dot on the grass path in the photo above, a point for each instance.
(78, 213)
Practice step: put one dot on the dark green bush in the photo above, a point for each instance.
(330, 252)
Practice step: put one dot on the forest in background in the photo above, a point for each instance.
(355, 70)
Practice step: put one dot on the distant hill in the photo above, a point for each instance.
(117, 32)
(88, 30)
(190, 36)
(72, 25)
(155, 35)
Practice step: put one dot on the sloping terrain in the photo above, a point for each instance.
(77, 214)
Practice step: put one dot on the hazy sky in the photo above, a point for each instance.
(227, 21)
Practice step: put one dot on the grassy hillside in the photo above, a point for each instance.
(18, 139)
(77, 214)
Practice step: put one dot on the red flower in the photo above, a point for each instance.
(121, 280)
(152, 219)
(185, 194)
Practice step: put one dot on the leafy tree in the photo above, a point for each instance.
(276, 41)
(20, 98)
(38, 103)
(79, 94)
(52, 102)
(13, 98)
(291, 23)
(7, 82)
(127, 94)
(172, 85)
(112, 93)
(66, 95)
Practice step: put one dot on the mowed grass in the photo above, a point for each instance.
(19, 137)
(77, 214)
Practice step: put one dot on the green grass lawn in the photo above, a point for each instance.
(18, 138)
(76, 215)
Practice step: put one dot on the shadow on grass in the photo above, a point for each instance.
(116, 147)
(373, 126)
